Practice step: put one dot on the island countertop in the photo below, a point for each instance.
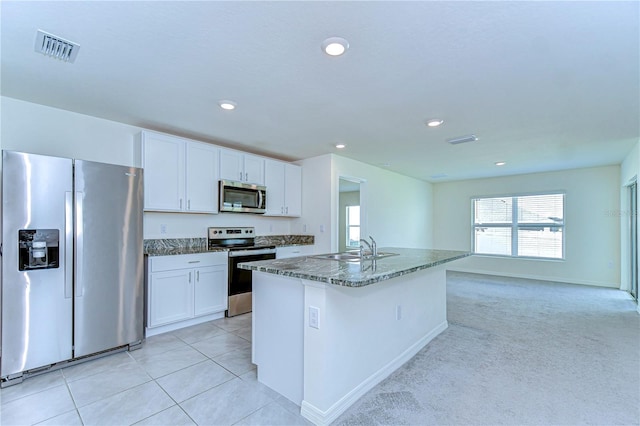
(357, 274)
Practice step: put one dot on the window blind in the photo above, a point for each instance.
(524, 225)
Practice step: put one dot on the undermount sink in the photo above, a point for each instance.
(352, 256)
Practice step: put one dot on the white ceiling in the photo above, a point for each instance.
(544, 85)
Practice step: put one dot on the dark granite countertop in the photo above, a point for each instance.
(357, 274)
(177, 246)
(172, 251)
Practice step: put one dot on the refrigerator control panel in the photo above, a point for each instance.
(38, 249)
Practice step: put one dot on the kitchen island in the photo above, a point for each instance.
(326, 331)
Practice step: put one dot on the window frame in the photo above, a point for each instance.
(514, 225)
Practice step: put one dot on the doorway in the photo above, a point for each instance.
(350, 222)
(633, 239)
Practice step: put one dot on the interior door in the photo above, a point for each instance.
(109, 271)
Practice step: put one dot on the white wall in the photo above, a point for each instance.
(629, 171)
(44, 130)
(38, 129)
(396, 209)
(592, 232)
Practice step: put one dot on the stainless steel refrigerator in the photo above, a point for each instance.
(72, 261)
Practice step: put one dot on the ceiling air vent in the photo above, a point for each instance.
(463, 139)
(56, 47)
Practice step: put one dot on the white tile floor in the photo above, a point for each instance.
(197, 375)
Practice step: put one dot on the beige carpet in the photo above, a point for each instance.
(518, 352)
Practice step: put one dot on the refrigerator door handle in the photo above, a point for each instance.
(68, 245)
(79, 244)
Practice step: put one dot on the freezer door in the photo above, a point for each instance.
(37, 310)
(109, 268)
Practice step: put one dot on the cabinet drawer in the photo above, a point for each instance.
(182, 261)
(293, 251)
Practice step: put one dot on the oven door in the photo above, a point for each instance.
(242, 197)
(240, 286)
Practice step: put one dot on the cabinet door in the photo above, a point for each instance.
(253, 169)
(293, 190)
(274, 181)
(170, 296)
(202, 178)
(163, 164)
(210, 290)
(231, 167)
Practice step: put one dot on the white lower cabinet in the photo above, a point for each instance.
(170, 297)
(184, 290)
(209, 295)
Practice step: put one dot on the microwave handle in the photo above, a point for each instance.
(260, 202)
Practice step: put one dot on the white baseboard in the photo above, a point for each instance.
(152, 331)
(536, 277)
(319, 417)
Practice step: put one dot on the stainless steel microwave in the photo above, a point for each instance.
(240, 197)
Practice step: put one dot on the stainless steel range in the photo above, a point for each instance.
(241, 245)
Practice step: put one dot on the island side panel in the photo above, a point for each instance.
(360, 341)
(277, 333)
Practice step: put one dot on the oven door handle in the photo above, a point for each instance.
(238, 253)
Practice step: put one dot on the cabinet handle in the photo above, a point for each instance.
(282, 210)
(198, 276)
(189, 277)
(194, 261)
(240, 175)
(189, 204)
(180, 203)
(287, 210)
(246, 176)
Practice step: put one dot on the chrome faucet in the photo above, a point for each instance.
(373, 247)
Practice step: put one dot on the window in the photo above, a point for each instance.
(353, 226)
(519, 226)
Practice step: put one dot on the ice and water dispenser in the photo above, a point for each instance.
(38, 249)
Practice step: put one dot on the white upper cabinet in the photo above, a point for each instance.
(179, 175)
(293, 190)
(163, 161)
(241, 167)
(202, 178)
(284, 188)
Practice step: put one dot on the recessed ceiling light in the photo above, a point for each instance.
(228, 105)
(335, 46)
(340, 146)
(500, 163)
(434, 122)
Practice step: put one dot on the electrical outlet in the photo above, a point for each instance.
(314, 317)
(163, 228)
(398, 312)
